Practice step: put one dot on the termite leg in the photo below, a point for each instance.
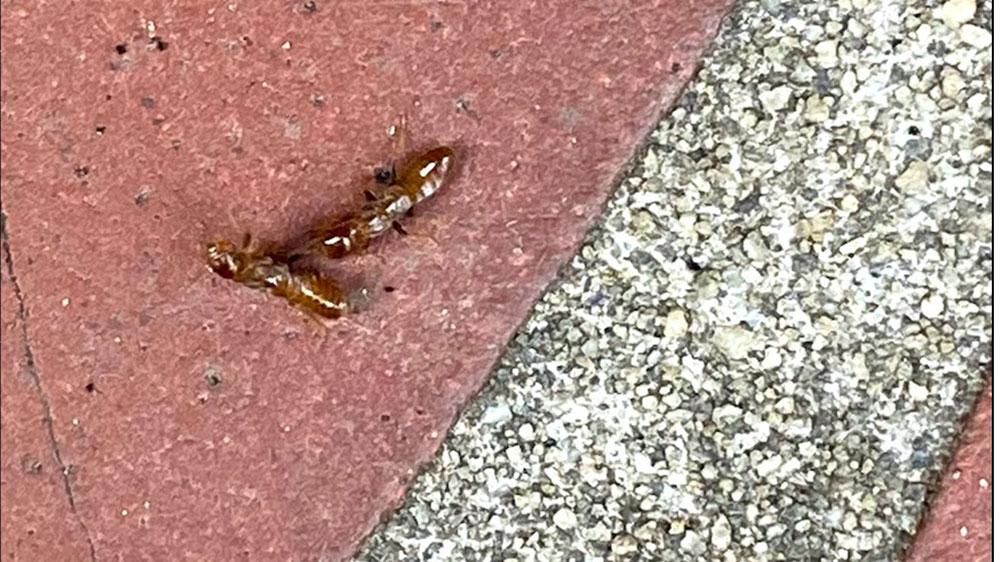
(409, 212)
(423, 237)
(399, 131)
(369, 195)
(399, 228)
(232, 219)
(317, 319)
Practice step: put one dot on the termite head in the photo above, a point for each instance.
(224, 259)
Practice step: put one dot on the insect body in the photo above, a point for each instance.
(420, 178)
(307, 290)
(272, 269)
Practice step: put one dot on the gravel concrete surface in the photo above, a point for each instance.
(765, 348)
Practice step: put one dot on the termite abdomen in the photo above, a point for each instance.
(307, 290)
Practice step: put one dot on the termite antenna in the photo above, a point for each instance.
(246, 239)
(399, 132)
(232, 220)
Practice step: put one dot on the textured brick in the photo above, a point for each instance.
(123, 154)
(37, 522)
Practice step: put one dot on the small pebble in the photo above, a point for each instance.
(565, 519)
(775, 99)
(914, 178)
(976, 36)
(497, 414)
(526, 432)
(956, 12)
(932, 306)
(721, 533)
(816, 109)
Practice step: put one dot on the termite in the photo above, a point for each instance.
(420, 178)
(272, 269)
(310, 291)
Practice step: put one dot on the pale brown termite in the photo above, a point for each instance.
(307, 290)
(420, 178)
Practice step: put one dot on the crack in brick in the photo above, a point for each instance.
(29, 361)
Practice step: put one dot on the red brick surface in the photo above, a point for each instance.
(119, 163)
(959, 524)
(38, 522)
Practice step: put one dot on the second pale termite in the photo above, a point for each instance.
(420, 178)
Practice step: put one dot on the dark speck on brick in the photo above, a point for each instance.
(158, 43)
(121, 48)
(213, 375)
(143, 195)
(464, 105)
(31, 466)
